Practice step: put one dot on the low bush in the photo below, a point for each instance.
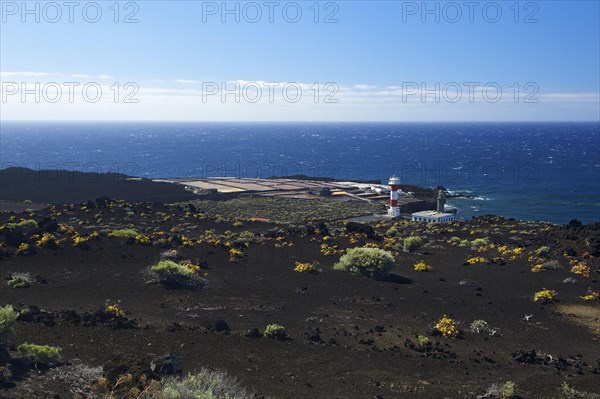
(123, 233)
(47, 240)
(475, 259)
(412, 243)
(542, 251)
(391, 232)
(306, 268)
(39, 354)
(114, 309)
(23, 223)
(581, 269)
(447, 328)
(479, 242)
(508, 390)
(371, 262)
(479, 326)
(24, 249)
(423, 341)
(591, 296)
(544, 296)
(169, 272)
(8, 317)
(20, 280)
(422, 267)
(80, 378)
(143, 239)
(275, 331)
(205, 384)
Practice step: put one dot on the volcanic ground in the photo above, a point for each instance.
(348, 336)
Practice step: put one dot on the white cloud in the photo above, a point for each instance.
(364, 87)
(24, 74)
(182, 99)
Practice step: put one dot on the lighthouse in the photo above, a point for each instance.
(393, 210)
(441, 202)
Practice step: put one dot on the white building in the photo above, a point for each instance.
(433, 217)
(437, 216)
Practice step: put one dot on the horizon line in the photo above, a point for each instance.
(289, 121)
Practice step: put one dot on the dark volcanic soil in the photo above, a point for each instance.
(349, 336)
(58, 186)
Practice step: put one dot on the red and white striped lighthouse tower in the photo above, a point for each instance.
(393, 210)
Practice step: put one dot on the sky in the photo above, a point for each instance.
(300, 61)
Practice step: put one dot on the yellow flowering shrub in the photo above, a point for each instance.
(47, 240)
(143, 239)
(330, 250)
(80, 241)
(544, 295)
(305, 268)
(447, 327)
(280, 242)
(371, 245)
(421, 266)
(191, 266)
(538, 268)
(476, 259)
(187, 242)
(115, 309)
(582, 269)
(23, 249)
(235, 254)
(592, 296)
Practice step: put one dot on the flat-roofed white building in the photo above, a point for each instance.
(433, 217)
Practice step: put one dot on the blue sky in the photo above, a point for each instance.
(373, 56)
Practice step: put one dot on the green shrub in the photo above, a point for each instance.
(502, 391)
(205, 384)
(8, 316)
(454, 240)
(24, 223)
(41, 354)
(412, 243)
(542, 251)
(170, 272)
(423, 341)
(479, 326)
(275, 331)
(479, 242)
(169, 268)
(20, 280)
(391, 232)
(371, 262)
(123, 233)
(508, 390)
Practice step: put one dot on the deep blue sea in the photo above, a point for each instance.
(530, 171)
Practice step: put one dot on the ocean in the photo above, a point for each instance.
(530, 171)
